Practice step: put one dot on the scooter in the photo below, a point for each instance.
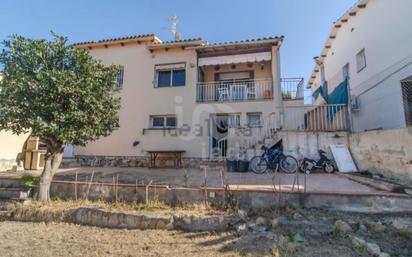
(308, 165)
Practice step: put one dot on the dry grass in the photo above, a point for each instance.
(153, 207)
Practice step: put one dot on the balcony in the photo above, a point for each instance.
(236, 90)
(292, 88)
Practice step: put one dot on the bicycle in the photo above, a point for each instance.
(273, 158)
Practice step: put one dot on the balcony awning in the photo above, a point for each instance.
(239, 58)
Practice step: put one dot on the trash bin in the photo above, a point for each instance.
(231, 165)
(243, 166)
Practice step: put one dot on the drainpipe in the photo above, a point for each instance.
(277, 84)
(350, 120)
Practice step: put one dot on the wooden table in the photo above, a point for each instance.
(177, 154)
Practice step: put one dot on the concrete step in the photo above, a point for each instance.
(14, 193)
(69, 163)
(10, 183)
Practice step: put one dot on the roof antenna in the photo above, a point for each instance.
(174, 28)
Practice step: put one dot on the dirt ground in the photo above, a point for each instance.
(43, 240)
(318, 234)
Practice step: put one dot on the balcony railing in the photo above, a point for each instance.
(328, 117)
(239, 90)
(292, 88)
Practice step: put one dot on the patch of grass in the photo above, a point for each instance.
(152, 207)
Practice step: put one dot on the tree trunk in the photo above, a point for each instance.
(52, 163)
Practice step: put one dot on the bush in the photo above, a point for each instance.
(29, 181)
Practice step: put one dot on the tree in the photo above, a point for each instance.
(58, 93)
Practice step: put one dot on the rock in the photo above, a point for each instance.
(342, 226)
(373, 249)
(297, 216)
(260, 229)
(241, 228)
(382, 254)
(363, 228)
(312, 233)
(261, 221)
(278, 221)
(403, 225)
(242, 214)
(358, 242)
(376, 227)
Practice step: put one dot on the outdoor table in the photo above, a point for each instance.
(177, 154)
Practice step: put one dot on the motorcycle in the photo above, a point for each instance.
(308, 165)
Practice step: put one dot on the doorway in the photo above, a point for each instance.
(219, 131)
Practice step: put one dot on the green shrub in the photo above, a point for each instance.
(29, 181)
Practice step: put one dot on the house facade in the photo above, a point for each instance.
(369, 50)
(11, 146)
(188, 95)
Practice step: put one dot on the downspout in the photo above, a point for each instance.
(279, 108)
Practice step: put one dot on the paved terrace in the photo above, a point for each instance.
(322, 183)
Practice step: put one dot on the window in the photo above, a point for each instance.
(254, 119)
(163, 121)
(170, 75)
(234, 121)
(345, 71)
(361, 60)
(407, 100)
(119, 78)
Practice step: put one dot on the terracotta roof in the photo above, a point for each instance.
(179, 41)
(115, 40)
(256, 40)
(333, 34)
(192, 42)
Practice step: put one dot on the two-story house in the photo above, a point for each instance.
(187, 95)
(367, 62)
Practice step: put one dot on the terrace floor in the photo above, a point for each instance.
(315, 183)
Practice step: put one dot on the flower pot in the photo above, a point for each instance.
(231, 165)
(243, 166)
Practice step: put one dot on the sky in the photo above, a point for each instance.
(304, 23)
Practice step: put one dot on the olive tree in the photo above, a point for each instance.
(56, 92)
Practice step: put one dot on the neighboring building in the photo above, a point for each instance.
(10, 147)
(186, 95)
(371, 46)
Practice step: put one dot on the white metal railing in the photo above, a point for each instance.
(328, 117)
(238, 90)
(292, 88)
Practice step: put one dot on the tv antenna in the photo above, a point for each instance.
(174, 28)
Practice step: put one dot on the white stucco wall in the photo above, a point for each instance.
(384, 30)
(140, 99)
(386, 151)
(10, 146)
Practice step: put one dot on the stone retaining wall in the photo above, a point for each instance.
(140, 161)
(176, 196)
(120, 220)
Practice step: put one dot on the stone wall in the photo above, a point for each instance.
(140, 161)
(178, 196)
(388, 151)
